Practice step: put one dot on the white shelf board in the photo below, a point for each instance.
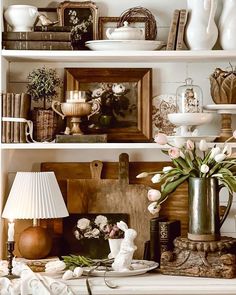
(77, 146)
(119, 56)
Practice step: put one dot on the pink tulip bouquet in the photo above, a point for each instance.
(191, 161)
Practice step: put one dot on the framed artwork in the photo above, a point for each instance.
(162, 105)
(82, 15)
(82, 235)
(111, 22)
(125, 99)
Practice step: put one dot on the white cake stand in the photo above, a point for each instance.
(188, 120)
(226, 111)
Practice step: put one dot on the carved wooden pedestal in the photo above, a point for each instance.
(215, 259)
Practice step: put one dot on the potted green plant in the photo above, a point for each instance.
(43, 86)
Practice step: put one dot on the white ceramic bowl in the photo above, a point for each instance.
(190, 119)
(21, 17)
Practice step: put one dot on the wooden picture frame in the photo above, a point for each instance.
(111, 22)
(133, 127)
(73, 13)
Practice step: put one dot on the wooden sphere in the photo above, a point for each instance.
(34, 243)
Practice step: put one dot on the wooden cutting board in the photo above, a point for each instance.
(98, 195)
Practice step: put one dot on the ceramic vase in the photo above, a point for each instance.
(204, 214)
(114, 245)
(227, 25)
(201, 30)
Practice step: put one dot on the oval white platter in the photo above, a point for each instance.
(207, 138)
(139, 267)
(118, 45)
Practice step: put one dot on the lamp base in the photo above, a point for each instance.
(35, 243)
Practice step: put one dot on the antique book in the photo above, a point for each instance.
(37, 45)
(168, 231)
(8, 114)
(171, 41)
(16, 125)
(90, 138)
(25, 101)
(4, 111)
(12, 115)
(155, 239)
(32, 36)
(52, 28)
(180, 45)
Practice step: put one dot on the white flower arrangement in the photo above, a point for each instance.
(190, 161)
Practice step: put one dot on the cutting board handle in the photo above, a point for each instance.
(96, 169)
(124, 168)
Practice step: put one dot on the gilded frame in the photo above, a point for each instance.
(88, 5)
(142, 78)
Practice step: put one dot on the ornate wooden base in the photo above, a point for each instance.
(214, 259)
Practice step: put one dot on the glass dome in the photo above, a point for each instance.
(189, 98)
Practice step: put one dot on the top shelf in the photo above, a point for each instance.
(119, 56)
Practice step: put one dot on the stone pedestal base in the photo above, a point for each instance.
(215, 259)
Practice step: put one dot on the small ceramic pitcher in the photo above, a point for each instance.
(201, 30)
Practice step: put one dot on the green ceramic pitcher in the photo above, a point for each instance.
(204, 216)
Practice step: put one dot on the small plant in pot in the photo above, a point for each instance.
(43, 86)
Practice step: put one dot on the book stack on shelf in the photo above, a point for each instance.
(52, 38)
(176, 34)
(14, 105)
(162, 235)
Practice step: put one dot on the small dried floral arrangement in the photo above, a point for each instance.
(96, 228)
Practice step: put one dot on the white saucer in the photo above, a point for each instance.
(118, 45)
(207, 138)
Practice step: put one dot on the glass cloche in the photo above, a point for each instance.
(189, 98)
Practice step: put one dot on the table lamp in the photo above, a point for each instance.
(34, 195)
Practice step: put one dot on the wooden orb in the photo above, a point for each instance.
(34, 243)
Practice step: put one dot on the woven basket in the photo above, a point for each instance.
(45, 124)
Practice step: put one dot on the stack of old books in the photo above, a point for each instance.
(37, 40)
(14, 106)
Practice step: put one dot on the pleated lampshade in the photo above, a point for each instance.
(35, 195)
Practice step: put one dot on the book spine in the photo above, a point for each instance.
(37, 36)
(24, 113)
(4, 112)
(37, 45)
(12, 115)
(155, 239)
(8, 114)
(168, 231)
(16, 125)
(52, 29)
(180, 45)
(173, 31)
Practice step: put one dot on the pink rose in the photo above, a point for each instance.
(174, 153)
(160, 138)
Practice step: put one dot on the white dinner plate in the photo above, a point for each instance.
(209, 138)
(139, 267)
(221, 108)
(124, 45)
(216, 107)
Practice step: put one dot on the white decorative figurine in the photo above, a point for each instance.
(123, 259)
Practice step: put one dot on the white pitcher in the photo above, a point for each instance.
(227, 25)
(201, 30)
